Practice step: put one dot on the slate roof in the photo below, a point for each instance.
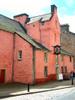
(13, 26)
(43, 17)
(64, 52)
(10, 25)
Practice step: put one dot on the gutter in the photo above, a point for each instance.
(33, 69)
(13, 57)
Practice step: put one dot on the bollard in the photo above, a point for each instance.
(72, 81)
(28, 87)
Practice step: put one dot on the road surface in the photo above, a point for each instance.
(63, 94)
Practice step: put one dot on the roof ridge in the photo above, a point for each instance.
(66, 52)
(14, 21)
(8, 18)
(40, 15)
(41, 45)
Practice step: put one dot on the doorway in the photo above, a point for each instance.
(2, 75)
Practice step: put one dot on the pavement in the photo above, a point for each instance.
(15, 89)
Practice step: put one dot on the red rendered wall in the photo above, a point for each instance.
(66, 62)
(6, 54)
(23, 70)
(39, 67)
(48, 34)
(34, 30)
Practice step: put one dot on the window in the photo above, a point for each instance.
(65, 69)
(33, 25)
(42, 22)
(45, 71)
(70, 58)
(62, 56)
(62, 69)
(55, 37)
(45, 57)
(20, 55)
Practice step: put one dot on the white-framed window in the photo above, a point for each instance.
(20, 55)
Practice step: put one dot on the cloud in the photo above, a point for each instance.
(33, 7)
(68, 20)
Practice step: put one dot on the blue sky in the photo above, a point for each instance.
(66, 12)
(66, 9)
(65, 6)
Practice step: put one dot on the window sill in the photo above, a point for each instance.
(19, 59)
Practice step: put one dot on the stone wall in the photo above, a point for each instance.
(67, 40)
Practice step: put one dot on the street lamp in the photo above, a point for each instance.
(57, 51)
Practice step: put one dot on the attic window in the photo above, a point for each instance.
(33, 25)
(42, 22)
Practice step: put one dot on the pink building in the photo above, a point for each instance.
(18, 52)
(27, 49)
(45, 29)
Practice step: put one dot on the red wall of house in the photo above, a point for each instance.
(48, 34)
(39, 67)
(66, 62)
(23, 70)
(33, 30)
(6, 54)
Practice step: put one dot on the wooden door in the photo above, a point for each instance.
(2, 76)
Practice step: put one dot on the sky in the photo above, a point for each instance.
(65, 8)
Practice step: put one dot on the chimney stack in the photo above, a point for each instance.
(21, 18)
(65, 27)
(53, 9)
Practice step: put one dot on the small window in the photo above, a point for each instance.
(55, 37)
(65, 69)
(42, 22)
(62, 57)
(70, 58)
(20, 55)
(45, 71)
(45, 57)
(33, 25)
(62, 69)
